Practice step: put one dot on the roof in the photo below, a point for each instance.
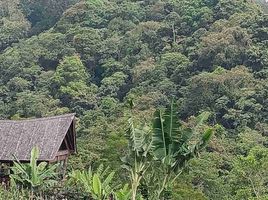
(19, 137)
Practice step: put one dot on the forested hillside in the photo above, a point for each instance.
(107, 60)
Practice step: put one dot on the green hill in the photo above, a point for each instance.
(94, 57)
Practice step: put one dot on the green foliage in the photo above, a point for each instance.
(14, 193)
(175, 66)
(92, 57)
(171, 144)
(123, 194)
(137, 161)
(33, 175)
(99, 184)
(70, 84)
(43, 14)
(111, 85)
(70, 70)
(167, 148)
(249, 174)
(13, 24)
(230, 94)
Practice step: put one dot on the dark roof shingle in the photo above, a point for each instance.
(19, 137)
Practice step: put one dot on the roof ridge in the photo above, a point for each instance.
(40, 119)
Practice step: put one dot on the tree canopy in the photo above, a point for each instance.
(94, 57)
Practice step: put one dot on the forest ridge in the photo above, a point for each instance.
(110, 61)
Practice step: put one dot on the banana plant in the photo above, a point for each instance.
(137, 160)
(98, 185)
(123, 194)
(171, 144)
(32, 175)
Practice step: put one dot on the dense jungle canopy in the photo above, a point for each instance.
(94, 57)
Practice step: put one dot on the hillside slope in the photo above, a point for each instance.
(93, 57)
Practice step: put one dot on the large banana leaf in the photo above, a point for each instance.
(33, 163)
(96, 185)
(170, 142)
(166, 136)
(139, 139)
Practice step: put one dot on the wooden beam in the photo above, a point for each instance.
(66, 143)
(61, 155)
(64, 152)
(74, 136)
(64, 167)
